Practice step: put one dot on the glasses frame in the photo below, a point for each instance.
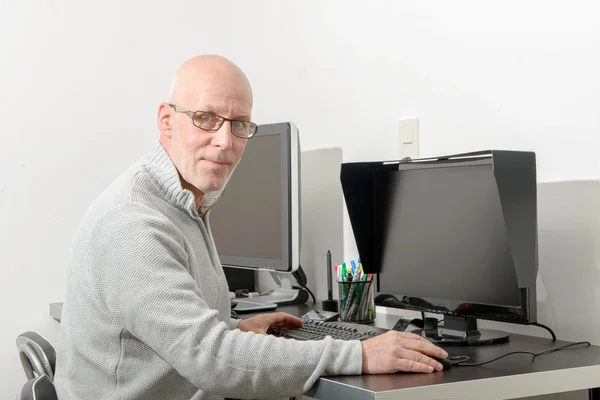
(192, 114)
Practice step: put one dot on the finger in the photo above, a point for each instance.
(408, 335)
(420, 358)
(285, 324)
(425, 347)
(412, 366)
(284, 318)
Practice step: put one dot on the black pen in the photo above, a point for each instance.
(329, 273)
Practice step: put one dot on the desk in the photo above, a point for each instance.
(511, 377)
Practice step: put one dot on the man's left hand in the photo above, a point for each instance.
(265, 323)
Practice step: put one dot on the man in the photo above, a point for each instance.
(147, 312)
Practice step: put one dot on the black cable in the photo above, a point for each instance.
(541, 353)
(546, 328)
(307, 289)
(548, 351)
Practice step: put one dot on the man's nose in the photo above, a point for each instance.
(223, 137)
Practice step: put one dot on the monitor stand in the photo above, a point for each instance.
(287, 294)
(283, 295)
(457, 331)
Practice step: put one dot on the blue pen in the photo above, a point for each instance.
(354, 269)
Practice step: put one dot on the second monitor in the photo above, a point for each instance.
(451, 235)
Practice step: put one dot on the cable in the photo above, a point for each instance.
(307, 289)
(546, 328)
(464, 364)
(541, 353)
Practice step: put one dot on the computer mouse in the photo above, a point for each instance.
(444, 361)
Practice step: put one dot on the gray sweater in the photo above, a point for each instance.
(147, 311)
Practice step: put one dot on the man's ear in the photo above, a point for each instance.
(165, 119)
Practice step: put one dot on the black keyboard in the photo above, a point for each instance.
(313, 330)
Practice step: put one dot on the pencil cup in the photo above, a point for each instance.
(356, 301)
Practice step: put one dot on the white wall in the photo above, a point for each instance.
(80, 83)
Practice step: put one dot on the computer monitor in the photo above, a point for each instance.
(256, 222)
(451, 235)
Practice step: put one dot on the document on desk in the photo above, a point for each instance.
(247, 305)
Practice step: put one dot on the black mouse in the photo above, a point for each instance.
(444, 361)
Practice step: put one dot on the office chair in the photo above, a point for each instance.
(40, 388)
(38, 356)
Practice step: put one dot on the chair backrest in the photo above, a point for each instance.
(40, 388)
(38, 356)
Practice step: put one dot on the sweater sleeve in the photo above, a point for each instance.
(139, 262)
(233, 323)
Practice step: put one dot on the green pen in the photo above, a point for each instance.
(343, 294)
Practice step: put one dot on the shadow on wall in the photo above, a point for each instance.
(321, 219)
(569, 264)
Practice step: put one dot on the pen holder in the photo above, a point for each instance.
(356, 301)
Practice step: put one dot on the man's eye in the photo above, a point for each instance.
(239, 124)
(207, 117)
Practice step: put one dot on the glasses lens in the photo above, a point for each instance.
(243, 129)
(207, 121)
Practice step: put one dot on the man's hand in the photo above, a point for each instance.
(400, 351)
(264, 323)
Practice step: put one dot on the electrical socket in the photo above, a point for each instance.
(408, 129)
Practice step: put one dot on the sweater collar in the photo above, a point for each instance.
(167, 178)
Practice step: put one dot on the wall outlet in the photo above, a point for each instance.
(408, 129)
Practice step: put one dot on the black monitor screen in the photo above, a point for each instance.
(444, 236)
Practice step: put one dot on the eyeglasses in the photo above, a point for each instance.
(212, 122)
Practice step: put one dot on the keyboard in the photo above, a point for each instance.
(314, 330)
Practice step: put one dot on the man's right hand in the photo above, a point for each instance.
(400, 351)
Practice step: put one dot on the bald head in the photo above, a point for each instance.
(206, 73)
